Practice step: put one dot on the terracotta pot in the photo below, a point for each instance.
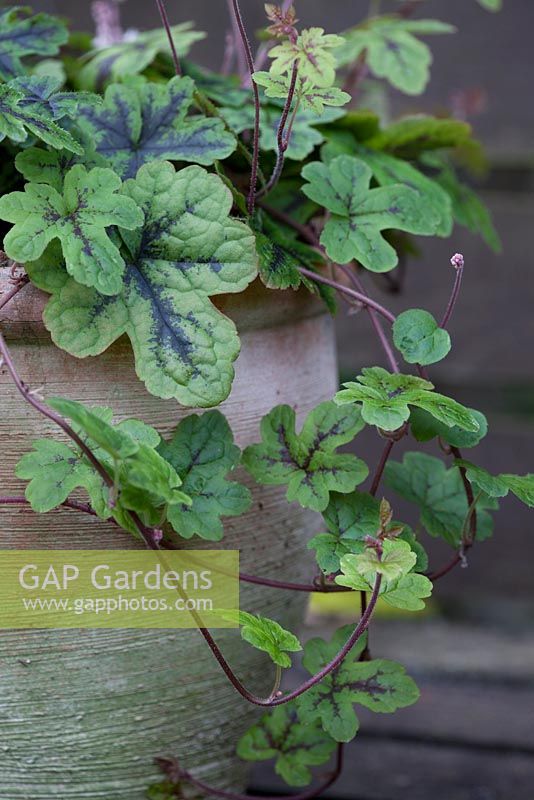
(83, 713)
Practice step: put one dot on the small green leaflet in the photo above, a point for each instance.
(359, 213)
(349, 519)
(132, 57)
(440, 495)
(90, 203)
(413, 135)
(424, 428)
(312, 53)
(393, 52)
(499, 485)
(396, 560)
(310, 97)
(202, 451)
(115, 442)
(18, 117)
(385, 398)
(467, 208)
(266, 635)
(295, 746)
(304, 135)
(379, 685)
(188, 250)
(141, 121)
(307, 462)
(435, 202)
(22, 35)
(417, 335)
(54, 470)
(407, 591)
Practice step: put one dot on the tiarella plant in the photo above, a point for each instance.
(140, 186)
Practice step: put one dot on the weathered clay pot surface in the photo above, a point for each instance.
(83, 713)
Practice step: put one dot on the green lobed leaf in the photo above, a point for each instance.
(359, 214)
(18, 117)
(307, 462)
(440, 495)
(392, 51)
(407, 592)
(266, 635)
(385, 398)
(132, 57)
(349, 519)
(41, 94)
(379, 685)
(54, 470)
(424, 428)
(310, 97)
(203, 453)
(295, 746)
(500, 485)
(188, 250)
(140, 122)
(24, 35)
(78, 217)
(396, 560)
(434, 201)
(311, 52)
(417, 335)
(118, 444)
(51, 166)
(305, 136)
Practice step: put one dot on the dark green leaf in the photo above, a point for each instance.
(440, 495)
(424, 428)
(499, 485)
(202, 451)
(411, 136)
(295, 746)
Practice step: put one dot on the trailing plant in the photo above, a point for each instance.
(142, 187)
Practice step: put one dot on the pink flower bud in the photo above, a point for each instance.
(457, 261)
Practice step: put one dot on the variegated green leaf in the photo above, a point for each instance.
(188, 250)
(78, 217)
(140, 122)
(23, 35)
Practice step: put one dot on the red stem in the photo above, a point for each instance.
(72, 504)
(256, 148)
(454, 296)
(270, 702)
(165, 20)
(367, 302)
(283, 141)
(381, 467)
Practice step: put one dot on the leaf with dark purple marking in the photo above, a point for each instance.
(360, 214)
(188, 250)
(22, 113)
(22, 35)
(379, 685)
(141, 122)
(307, 462)
(79, 217)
